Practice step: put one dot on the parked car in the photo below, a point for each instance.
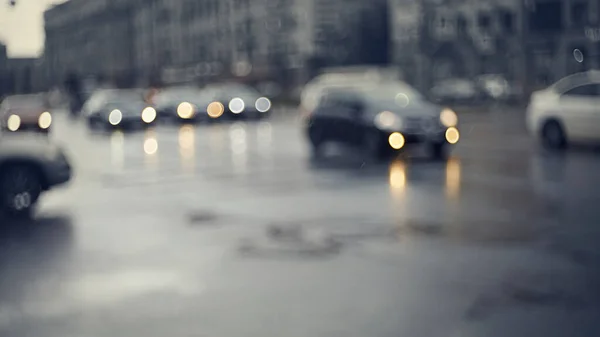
(237, 101)
(25, 113)
(381, 119)
(455, 91)
(113, 108)
(29, 166)
(567, 111)
(181, 104)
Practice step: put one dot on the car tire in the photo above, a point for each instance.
(438, 151)
(95, 124)
(20, 188)
(316, 143)
(553, 135)
(373, 146)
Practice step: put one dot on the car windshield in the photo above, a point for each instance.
(241, 91)
(23, 102)
(177, 95)
(576, 80)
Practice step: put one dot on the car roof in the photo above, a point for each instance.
(575, 80)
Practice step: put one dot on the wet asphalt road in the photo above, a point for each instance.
(231, 230)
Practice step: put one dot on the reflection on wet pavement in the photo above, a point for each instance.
(239, 214)
(187, 148)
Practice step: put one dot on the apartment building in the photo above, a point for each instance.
(90, 37)
(462, 38)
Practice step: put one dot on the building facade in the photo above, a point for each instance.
(179, 41)
(460, 39)
(90, 37)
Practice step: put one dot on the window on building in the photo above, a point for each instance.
(484, 21)
(164, 15)
(579, 14)
(547, 17)
(461, 24)
(507, 21)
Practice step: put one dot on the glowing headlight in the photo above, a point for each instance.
(215, 109)
(448, 118)
(387, 120)
(452, 135)
(13, 123)
(185, 110)
(236, 105)
(45, 120)
(396, 140)
(263, 104)
(148, 115)
(115, 117)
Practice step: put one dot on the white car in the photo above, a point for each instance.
(567, 111)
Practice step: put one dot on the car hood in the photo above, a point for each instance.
(421, 109)
(19, 146)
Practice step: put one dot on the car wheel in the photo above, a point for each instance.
(316, 140)
(438, 151)
(95, 124)
(20, 187)
(372, 146)
(553, 135)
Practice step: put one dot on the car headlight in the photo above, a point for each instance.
(185, 110)
(237, 105)
(13, 123)
(262, 104)
(45, 120)
(387, 120)
(115, 117)
(448, 118)
(148, 115)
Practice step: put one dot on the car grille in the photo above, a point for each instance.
(413, 124)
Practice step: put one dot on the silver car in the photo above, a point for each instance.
(29, 166)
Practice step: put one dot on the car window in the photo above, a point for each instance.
(343, 102)
(589, 90)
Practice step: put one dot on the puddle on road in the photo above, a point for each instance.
(202, 218)
(570, 290)
(325, 237)
(484, 231)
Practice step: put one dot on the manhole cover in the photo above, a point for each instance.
(202, 218)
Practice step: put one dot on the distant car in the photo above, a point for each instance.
(313, 90)
(237, 101)
(113, 108)
(381, 119)
(184, 104)
(455, 91)
(29, 166)
(567, 111)
(25, 113)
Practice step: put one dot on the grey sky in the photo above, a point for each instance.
(21, 27)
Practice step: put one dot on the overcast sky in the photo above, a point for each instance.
(22, 27)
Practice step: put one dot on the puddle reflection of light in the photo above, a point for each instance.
(239, 145)
(265, 138)
(117, 149)
(397, 177)
(187, 147)
(216, 134)
(453, 178)
(151, 148)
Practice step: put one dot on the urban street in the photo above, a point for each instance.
(232, 229)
